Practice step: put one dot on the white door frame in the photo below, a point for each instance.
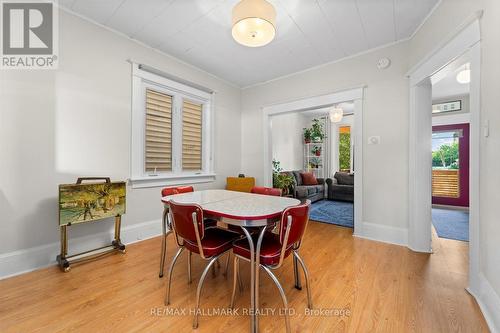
(355, 95)
(466, 38)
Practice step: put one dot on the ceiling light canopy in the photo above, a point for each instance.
(254, 23)
(463, 76)
(336, 114)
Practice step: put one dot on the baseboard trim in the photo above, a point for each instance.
(383, 233)
(27, 260)
(489, 303)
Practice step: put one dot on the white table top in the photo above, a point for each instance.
(235, 205)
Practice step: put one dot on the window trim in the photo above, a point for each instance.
(139, 178)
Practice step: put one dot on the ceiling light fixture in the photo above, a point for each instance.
(254, 23)
(336, 114)
(463, 76)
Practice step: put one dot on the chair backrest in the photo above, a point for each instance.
(240, 184)
(266, 190)
(176, 190)
(299, 217)
(182, 221)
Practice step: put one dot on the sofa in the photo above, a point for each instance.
(301, 191)
(341, 187)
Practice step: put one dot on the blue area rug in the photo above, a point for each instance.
(333, 212)
(451, 224)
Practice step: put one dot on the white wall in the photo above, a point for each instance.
(58, 125)
(385, 113)
(448, 16)
(287, 140)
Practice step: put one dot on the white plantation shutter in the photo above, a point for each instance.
(158, 154)
(192, 121)
(172, 123)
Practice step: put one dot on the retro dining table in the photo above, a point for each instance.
(245, 210)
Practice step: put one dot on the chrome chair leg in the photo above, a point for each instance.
(200, 286)
(214, 274)
(235, 280)
(189, 267)
(296, 274)
(227, 264)
(164, 234)
(283, 296)
(171, 269)
(240, 283)
(308, 284)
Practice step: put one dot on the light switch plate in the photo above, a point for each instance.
(373, 140)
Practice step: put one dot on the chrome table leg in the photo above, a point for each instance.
(253, 326)
(256, 272)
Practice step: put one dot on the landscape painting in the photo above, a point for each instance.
(88, 202)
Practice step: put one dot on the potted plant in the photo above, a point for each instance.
(307, 135)
(281, 180)
(314, 162)
(316, 150)
(317, 131)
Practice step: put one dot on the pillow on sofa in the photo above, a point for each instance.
(308, 178)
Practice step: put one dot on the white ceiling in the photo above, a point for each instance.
(444, 82)
(309, 32)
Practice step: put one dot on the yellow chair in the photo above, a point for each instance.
(240, 184)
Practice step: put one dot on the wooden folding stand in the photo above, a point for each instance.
(63, 259)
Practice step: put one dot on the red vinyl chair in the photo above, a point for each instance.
(167, 225)
(257, 190)
(275, 248)
(176, 190)
(277, 192)
(266, 190)
(191, 234)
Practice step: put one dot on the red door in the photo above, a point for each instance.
(450, 165)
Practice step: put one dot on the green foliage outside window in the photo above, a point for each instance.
(345, 151)
(446, 156)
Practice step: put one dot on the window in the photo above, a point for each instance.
(447, 107)
(192, 120)
(445, 163)
(158, 131)
(345, 160)
(171, 132)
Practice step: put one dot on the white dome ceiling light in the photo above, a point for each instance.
(463, 76)
(336, 114)
(254, 23)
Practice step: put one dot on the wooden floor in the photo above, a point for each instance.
(378, 288)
